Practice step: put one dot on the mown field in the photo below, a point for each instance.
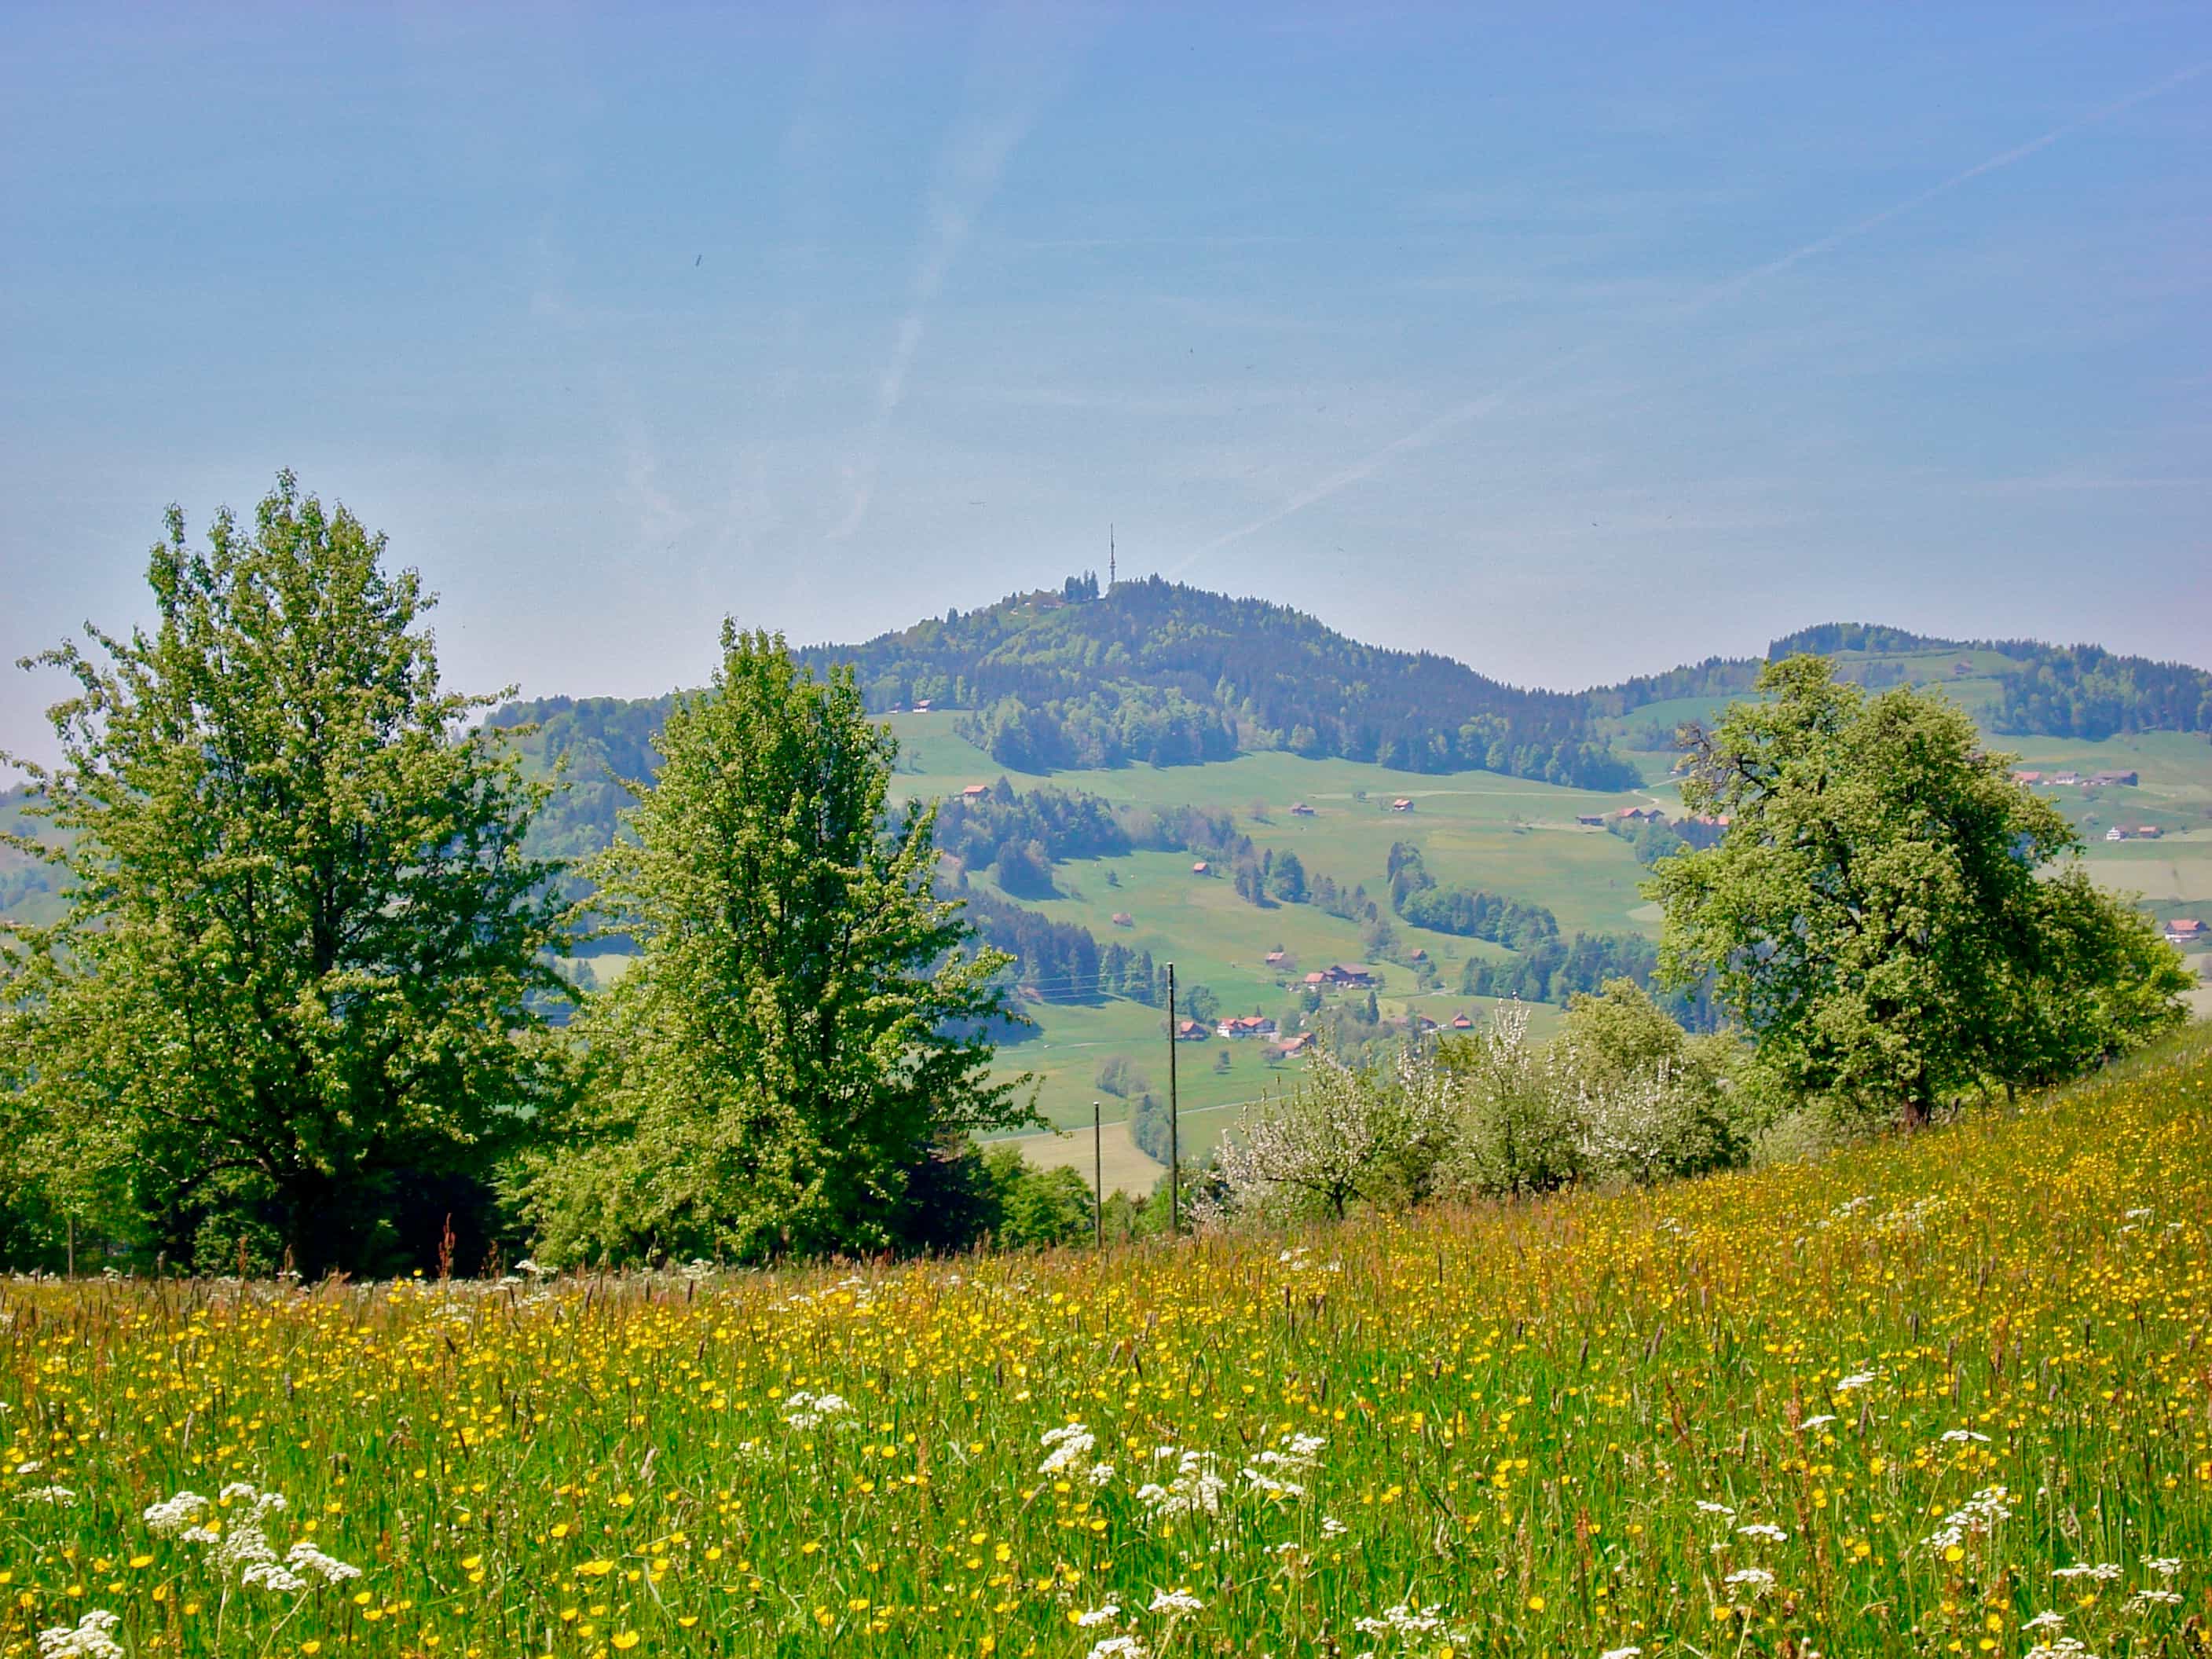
(1948, 1394)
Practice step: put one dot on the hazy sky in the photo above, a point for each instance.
(1572, 343)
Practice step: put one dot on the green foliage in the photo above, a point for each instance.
(1287, 879)
(1197, 1002)
(796, 1039)
(1467, 912)
(1659, 1104)
(1033, 1209)
(298, 994)
(1874, 915)
(1521, 1127)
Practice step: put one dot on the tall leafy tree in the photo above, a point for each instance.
(1881, 913)
(802, 1034)
(296, 999)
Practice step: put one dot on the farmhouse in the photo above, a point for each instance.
(2112, 780)
(1201, 868)
(1594, 820)
(1252, 1026)
(1291, 1048)
(1193, 1030)
(1401, 805)
(922, 705)
(2065, 780)
(2184, 930)
(2134, 832)
(1300, 809)
(1462, 1022)
(1276, 958)
(1339, 973)
(2030, 779)
(976, 792)
(1641, 815)
(1123, 919)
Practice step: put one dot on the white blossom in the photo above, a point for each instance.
(1097, 1616)
(2103, 1571)
(1764, 1530)
(1756, 1580)
(1175, 1601)
(1070, 1444)
(92, 1638)
(1194, 1489)
(806, 1410)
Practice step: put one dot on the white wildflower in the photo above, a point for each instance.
(1194, 1489)
(1974, 1519)
(172, 1514)
(306, 1556)
(1763, 1530)
(1332, 1527)
(2156, 1598)
(1705, 1507)
(1407, 1618)
(274, 1577)
(31, 1468)
(1855, 1380)
(2045, 1621)
(1100, 1474)
(1097, 1616)
(2066, 1647)
(1070, 1444)
(60, 1496)
(2164, 1566)
(1756, 1580)
(1264, 1482)
(1118, 1647)
(2103, 1571)
(1622, 1653)
(1175, 1601)
(92, 1639)
(807, 1410)
(1960, 1437)
(1819, 1422)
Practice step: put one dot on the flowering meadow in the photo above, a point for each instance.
(1948, 1394)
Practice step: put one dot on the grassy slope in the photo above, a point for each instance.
(1728, 1417)
(1505, 834)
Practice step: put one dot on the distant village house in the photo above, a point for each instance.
(1252, 1025)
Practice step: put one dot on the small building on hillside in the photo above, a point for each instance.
(1591, 820)
(976, 792)
(2065, 780)
(1338, 973)
(2184, 930)
(1401, 805)
(1193, 1030)
(1252, 1026)
(1291, 1048)
(1201, 868)
(922, 705)
(1640, 815)
(1123, 919)
(2030, 779)
(2112, 780)
(1462, 1022)
(1276, 958)
(1300, 809)
(2134, 832)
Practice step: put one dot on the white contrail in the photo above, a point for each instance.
(1489, 401)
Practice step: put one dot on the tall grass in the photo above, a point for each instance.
(1912, 1398)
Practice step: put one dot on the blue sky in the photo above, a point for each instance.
(1571, 342)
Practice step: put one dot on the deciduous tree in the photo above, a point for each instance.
(1881, 913)
(298, 995)
(803, 1030)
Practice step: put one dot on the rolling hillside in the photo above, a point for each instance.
(1119, 739)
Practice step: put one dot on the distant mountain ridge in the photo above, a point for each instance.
(2043, 690)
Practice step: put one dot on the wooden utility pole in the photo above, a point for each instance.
(1097, 1178)
(1174, 1122)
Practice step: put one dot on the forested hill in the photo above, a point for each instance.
(2037, 689)
(1157, 672)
